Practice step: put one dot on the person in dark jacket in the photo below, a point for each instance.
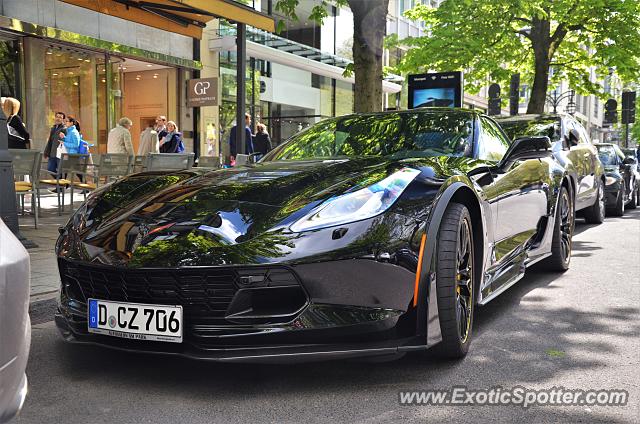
(161, 126)
(248, 142)
(261, 141)
(18, 136)
(50, 149)
(172, 142)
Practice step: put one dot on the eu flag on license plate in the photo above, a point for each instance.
(93, 313)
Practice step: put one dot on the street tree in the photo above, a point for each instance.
(369, 27)
(492, 39)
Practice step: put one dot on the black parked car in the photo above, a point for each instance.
(364, 235)
(622, 186)
(573, 149)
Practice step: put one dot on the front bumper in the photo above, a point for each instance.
(13, 407)
(358, 307)
(611, 192)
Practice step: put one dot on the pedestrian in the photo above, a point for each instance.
(18, 135)
(52, 142)
(262, 141)
(70, 139)
(148, 140)
(173, 140)
(161, 126)
(248, 143)
(119, 140)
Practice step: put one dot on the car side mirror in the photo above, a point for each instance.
(526, 148)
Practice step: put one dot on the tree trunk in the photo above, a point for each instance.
(541, 43)
(369, 29)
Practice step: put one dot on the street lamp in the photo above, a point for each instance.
(8, 205)
(554, 99)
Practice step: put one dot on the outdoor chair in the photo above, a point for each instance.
(169, 161)
(112, 166)
(27, 163)
(70, 166)
(242, 159)
(209, 162)
(139, 163)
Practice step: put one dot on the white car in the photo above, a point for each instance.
(15, 324)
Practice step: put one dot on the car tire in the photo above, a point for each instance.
(595, 213)
(634, 198)
(455, 281)
(618, 208)
(562, 234)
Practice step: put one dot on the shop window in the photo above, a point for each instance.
(73, 86)
(9, 62)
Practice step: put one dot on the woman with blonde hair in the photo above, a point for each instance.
(18, 135)
(172, 142)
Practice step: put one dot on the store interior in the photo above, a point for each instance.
(76, 83)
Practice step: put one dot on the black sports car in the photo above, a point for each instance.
(575, 152)
(364, 235)
(622, 186)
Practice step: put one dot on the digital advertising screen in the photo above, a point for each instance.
(442, 89)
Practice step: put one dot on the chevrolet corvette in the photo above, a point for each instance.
(363, 235)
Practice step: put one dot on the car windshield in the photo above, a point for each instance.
(407, 134)
(549, 126)
(629, 152)
(607, 155)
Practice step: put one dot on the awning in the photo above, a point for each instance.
(186, 17)
(273, 48)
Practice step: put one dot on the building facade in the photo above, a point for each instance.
(294, 78)
(57, 56)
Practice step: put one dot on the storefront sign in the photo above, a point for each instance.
(202, 92)
(443, 89)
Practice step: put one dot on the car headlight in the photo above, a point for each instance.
(610, 180)
(357, 205)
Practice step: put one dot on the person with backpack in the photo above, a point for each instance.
(71, 138)
(172, 142)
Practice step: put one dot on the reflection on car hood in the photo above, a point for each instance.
(160, 219)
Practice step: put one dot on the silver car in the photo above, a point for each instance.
(15, 324)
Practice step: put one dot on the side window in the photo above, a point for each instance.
(619, 153)
(584, 138)
(493, 144)
(582, 134)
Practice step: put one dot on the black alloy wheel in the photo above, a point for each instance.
(455, 280)
(562, 234)
(464, 280)
(595, 213)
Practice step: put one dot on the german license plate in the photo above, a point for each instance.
(135, 320)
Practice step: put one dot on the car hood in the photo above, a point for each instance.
(176, 215)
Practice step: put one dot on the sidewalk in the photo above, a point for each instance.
(45, 280)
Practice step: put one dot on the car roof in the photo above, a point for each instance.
(418, 109)
(528, 117)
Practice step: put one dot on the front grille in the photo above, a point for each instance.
(202, 292)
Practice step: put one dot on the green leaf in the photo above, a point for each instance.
(348, 71)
